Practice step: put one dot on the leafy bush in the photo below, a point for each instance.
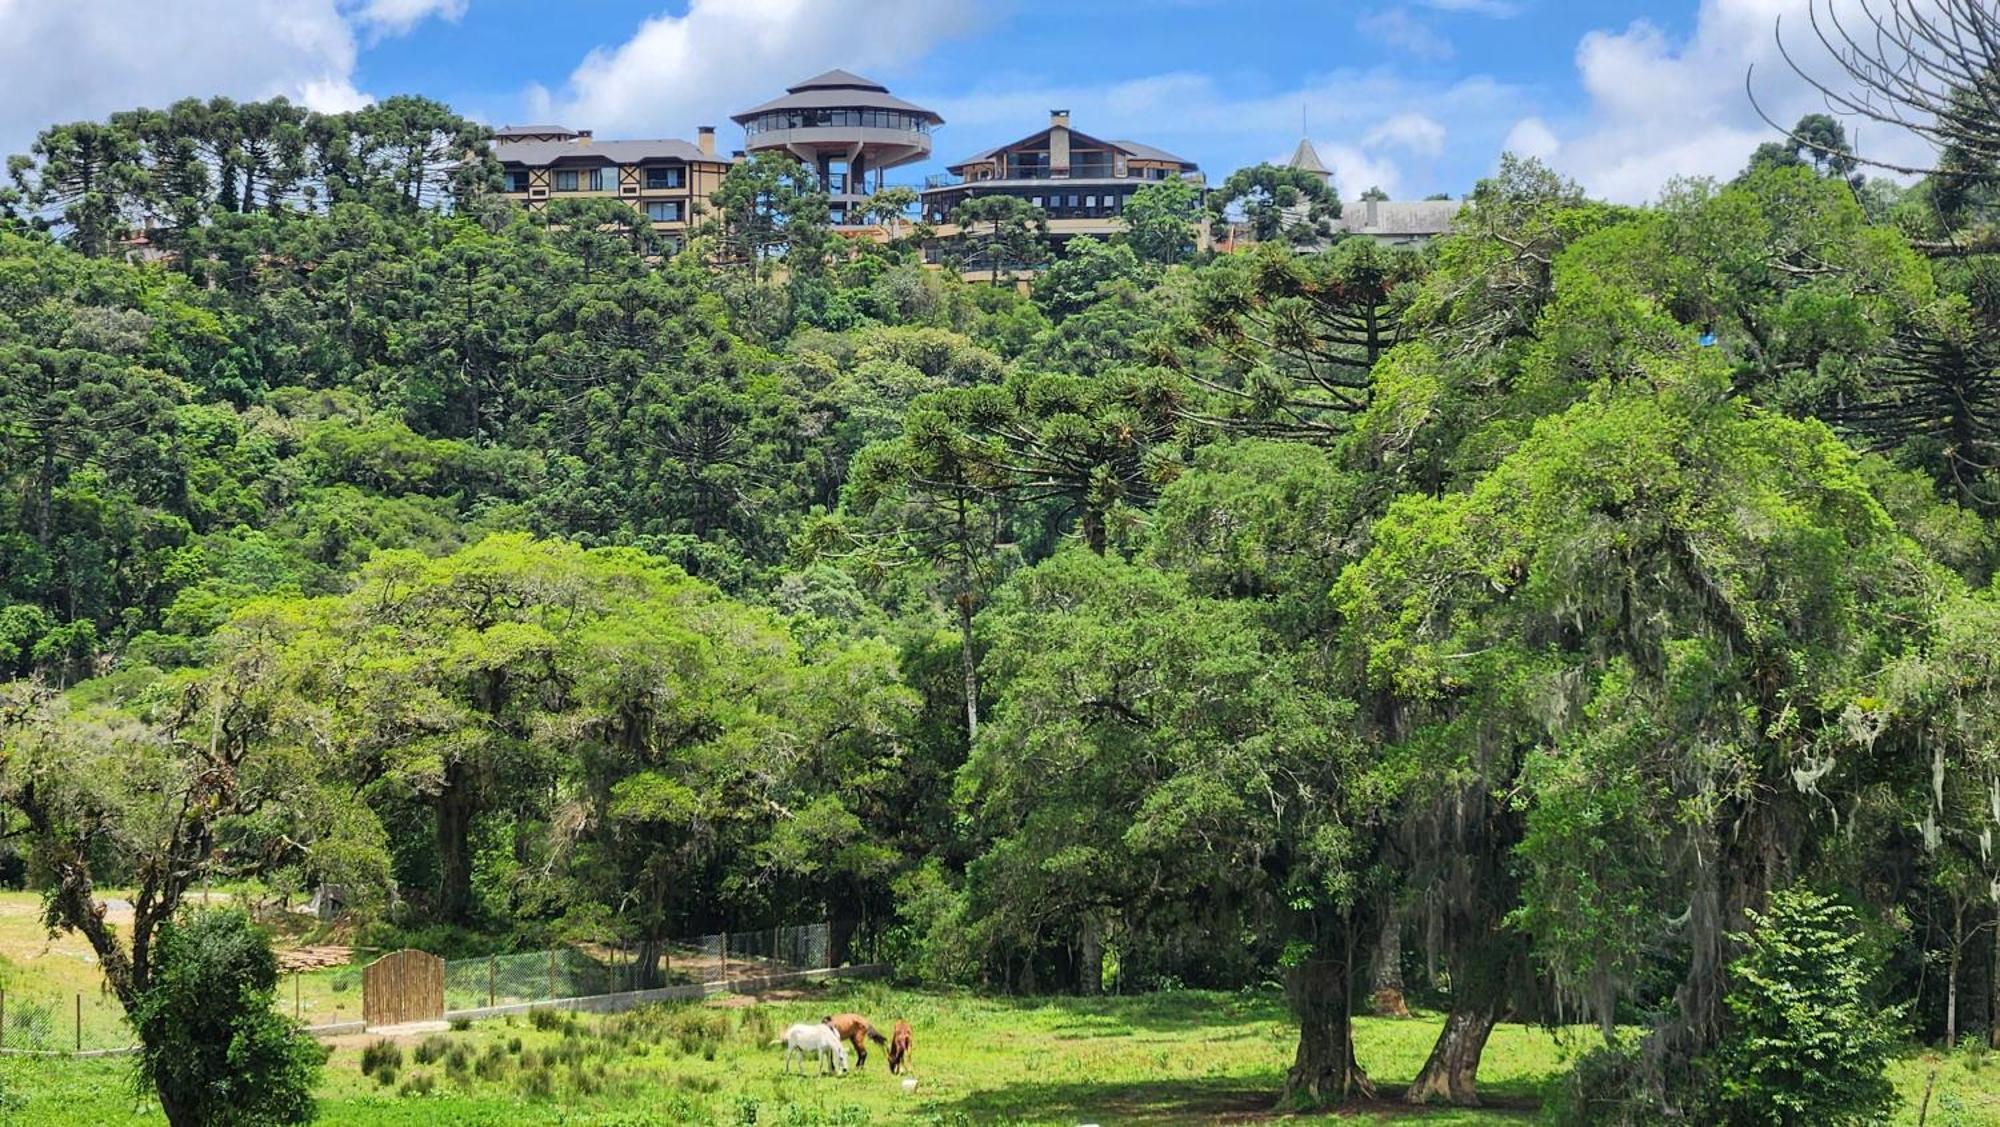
(213, 1046)
(432, 1049)
(1805, 1043)
(380, 1055)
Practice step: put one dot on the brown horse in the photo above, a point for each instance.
(899, 1047)
(855, 1028)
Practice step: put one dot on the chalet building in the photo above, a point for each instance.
(848, 129)
(1080, 182)
(666, 179)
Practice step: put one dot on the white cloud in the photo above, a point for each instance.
(1661, 107)
(1355, 171)
(87, 58)
(394, 17)
(1531, 137)
(1416, 132)
(1398, 28)
(678, 71)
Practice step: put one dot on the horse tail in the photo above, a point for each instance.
(875, 1035)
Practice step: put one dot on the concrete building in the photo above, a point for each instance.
(848, 129)
(1398, 223)
(1079, 181)
(666, 179)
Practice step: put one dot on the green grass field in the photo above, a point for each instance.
(1187, 1057)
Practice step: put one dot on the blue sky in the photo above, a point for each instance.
(1414, 95)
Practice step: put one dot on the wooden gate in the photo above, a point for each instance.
(403, 987)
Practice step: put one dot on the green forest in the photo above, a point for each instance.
(1587, 618)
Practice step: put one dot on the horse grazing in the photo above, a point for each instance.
(814, 1039)
(899, 1048)
(855, 1028)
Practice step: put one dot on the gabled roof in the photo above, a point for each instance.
(1410, 218)
(1129, 148)
(539, 153)
(836, 89)
(1305, 158)
(507, 131)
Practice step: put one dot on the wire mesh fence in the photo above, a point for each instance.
(586, 969)
(52, 1022)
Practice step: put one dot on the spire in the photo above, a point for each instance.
(1306, 159)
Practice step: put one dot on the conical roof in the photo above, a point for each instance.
(1306, 159)
(837, 79)
(837, 89)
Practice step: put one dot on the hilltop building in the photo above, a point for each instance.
(848, 129)
(1405, 223)
(663, 178)
(1305, 158)
(1079, 181)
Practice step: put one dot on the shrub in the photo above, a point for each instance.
(386, 1076)
(382, 1054)
(548, 1019)
(460, 1024)
(1804, 1043)
(213, 1045)
(492, 1063)
(431, 1049)
(514, 1045)
(422, 1084)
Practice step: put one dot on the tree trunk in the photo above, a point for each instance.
(454, 844)
(1951, 977)
(1452, 1072)
(1993, 992)
(1385, 978)
(968, 662)
(1324, 1070)
(1090, 962)
(1093, 528)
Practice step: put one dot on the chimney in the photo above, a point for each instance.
(1371, 211)
(1058, 142)
(704, 137)
(1058, 119)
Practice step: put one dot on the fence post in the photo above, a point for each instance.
(79, 1021)
(298, 1012)
(552, 973)
(492, 979)
(725, 959)
(3, 1016)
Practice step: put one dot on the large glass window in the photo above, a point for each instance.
(517, 181)
(664, 211)
(663, 177)
(597, 179)
(566, 180)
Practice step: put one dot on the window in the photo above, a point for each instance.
(1090, 201)
(1036, 200)
(1072, 199)
(664, 211)
(517, 181)
(565, 179)
(596, 179)
(663, 177)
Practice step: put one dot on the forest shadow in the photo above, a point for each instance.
(1171, 1011)
(1212, 1100)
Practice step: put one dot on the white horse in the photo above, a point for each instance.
(814, 1039)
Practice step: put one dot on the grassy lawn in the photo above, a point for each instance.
(1171, 1058)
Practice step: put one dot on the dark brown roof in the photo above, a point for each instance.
(836, 89)
(508, 132)
(539, 153)
(1129, 148)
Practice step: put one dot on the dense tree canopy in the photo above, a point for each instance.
(1597, 601)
